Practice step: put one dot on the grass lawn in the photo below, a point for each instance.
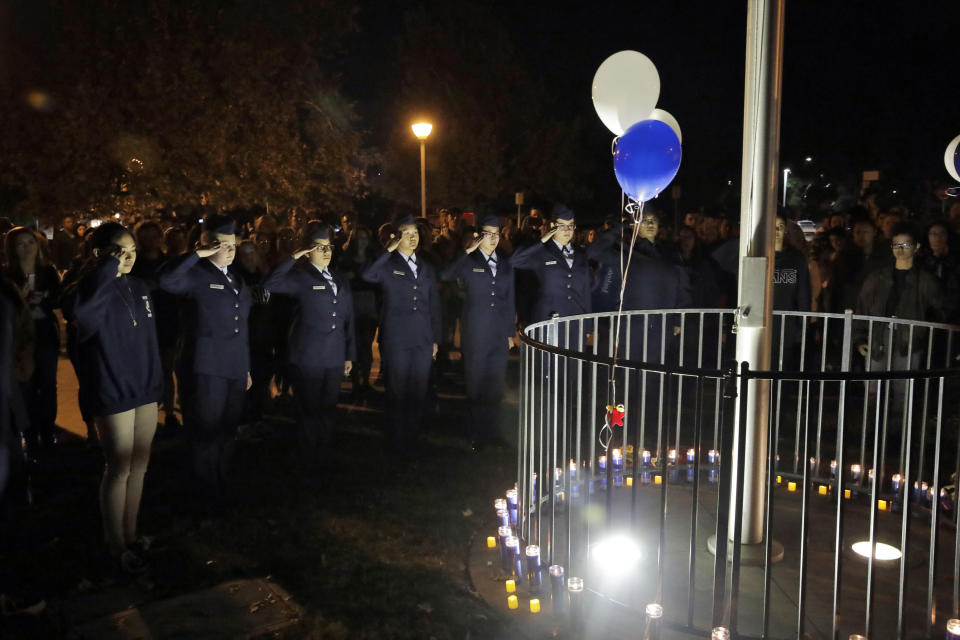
(375, 549)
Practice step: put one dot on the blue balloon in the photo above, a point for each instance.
(646, 159)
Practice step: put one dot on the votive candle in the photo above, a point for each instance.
(511, 586)
(822, 489)
(556, 587)
(896, 482)
(575, 593)
(512, 545)
(791, 486)
(512, 601)
(882, 505)
(713, 456)
(534, 578)
(855, 471)
(833, 468)
(658, 479)
(691, 455)
(953, 629)
(534, 605)
(645, 457)
(617, 459)
(672, 456)
(491, 542)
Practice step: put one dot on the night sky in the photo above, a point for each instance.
(866, 85)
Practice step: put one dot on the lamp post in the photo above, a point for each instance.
(422, 130)
(786, 176)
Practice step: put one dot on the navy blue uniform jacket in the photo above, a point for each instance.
(410, 313)
(119, 363)
(322, 335)
(488, 310)
(564, 290)
(215, 329)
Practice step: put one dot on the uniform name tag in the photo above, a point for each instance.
(549, 262)
(399, 273)
(216, 286)
(318, 287)
(479, 271)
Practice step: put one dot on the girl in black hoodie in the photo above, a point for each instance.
(122, 379)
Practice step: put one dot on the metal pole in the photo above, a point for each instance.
(758, 198)
(423, 178)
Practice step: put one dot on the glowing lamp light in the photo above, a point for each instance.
(882, 550)
(672, 456)
(857, 636)
(882, 505)
(616, 555)
(658, 479)
(953, 629)
(512, 602)
(779, 479)
(847, 494)
(511, 586)
(822, 489)
(629, 481)
(691, 455)
(421, 129)
(855, 471)
(896, 482)
(654, 611)
(491, 542)
(720, 633)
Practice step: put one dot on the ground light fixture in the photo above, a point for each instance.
(616, 555)
(882, 550)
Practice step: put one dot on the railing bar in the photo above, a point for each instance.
(866, 401)
(772, 445)
(823, 368)
(802, 586)
(923, 414)
(934, 516)
(722, 533)
(738, 510)
(800, 387)
(698, 447)
(905, 526)
(881, 470)
(873, 523)
(904, 417)
(662, 546)
(717, 391)
(679, 383)
(838, 497)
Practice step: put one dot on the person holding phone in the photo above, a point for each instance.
(322, 346)
(215, 347)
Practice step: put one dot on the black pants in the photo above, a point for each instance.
(485, 367)
(316, 393)
(408, 376)
(212, 412)
(366, 331)
(40, 396)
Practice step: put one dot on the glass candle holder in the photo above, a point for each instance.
(534, 578)
(503, 533)
(654, 617)
(503, 518)
(833, 468)
(575, 595)
(512, 506)
(672, 456)
(713, 456)
(617, 459)
(557, 591)
(896, 482)
(720, 633)
(512, 545)
(953, 629)
(691, 455)
(645, 458)
(855, 472)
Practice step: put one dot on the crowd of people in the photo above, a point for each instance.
(211, 321)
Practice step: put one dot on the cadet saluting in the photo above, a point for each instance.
(322, 346)
(488, 327)
(215, 348)
(560, 267)
(409, 328)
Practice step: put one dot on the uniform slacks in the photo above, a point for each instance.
(408, 376)
(316, 393)
(213, 408)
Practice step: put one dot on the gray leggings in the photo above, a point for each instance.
(126, 439)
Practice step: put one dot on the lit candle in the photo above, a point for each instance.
(870, 474)
(500, 504)
(857, 636)
(925, 492)
(575, 592)
(713, 456)
(628, 453)
(534, 578)
(646, 458)
(512, 601)
(654, 615)
(629, 481)
(672, 456)
(617, 458)
(847, 493)
(535, 486)
(855, 471)
(491, 542)
(534, 605)
(882, 505)
(720, 633)
(503, 518)
(712, 476)
(513, 545)
(511, 586)
(895, 482)
(602, 463)
(813, 466)
(504, 533)
(573, 468)
(658, 479)
(822, 489)
(691, 455)
(916, 490)
(779, 479)
(556, 587)
(645, 477)
(791, 486)
(833, 468)
(512, 505)
(953, 629)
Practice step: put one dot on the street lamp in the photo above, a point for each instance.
(422, 130)
(786, 174)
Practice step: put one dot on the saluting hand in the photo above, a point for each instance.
(208, 250)
(347, 367)
(394, 243)
(302, 252)
(434, 350)
(249, 381)
(864, 350)
(510, 343)
(474, 243)
(549, 234)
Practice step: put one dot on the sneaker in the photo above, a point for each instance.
(132, 563)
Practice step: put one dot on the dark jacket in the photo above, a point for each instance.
(216, 316)
(791, 281)
(851, 269)
(118, 356)
(563, 290)
(488, 313)
(410, 313)
(322, 334)
(921, 298)
(47, 288)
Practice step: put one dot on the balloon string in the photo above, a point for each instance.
(624, 275)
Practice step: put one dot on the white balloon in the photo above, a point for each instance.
(949, 158)
(667, 118)
(625, 90)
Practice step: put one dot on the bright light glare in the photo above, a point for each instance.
(421, 129)
(883, 551)
(617, 554)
